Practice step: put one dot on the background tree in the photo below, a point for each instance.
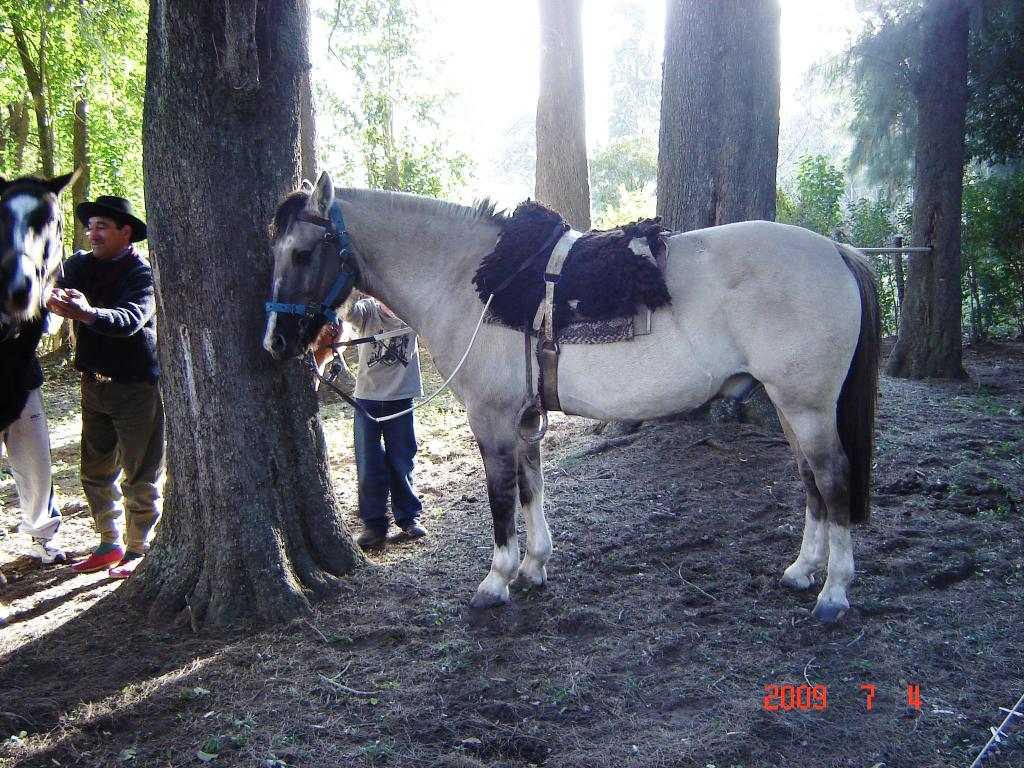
(80, 61)
(930, 343)
(562, 180)
(815, 203)
(718, 147)
(634, 76)
(623, 173)
(251, 526)
(994, 254)
(387, 103)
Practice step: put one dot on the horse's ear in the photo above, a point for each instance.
(323, 194)
(306, 185)
(59, 183)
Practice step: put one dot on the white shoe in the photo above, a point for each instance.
(46, 552)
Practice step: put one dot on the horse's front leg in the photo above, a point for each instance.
(500, 469)
(530, 478)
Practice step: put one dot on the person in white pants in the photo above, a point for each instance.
(27, 444)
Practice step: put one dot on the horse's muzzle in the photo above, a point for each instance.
(18, 290)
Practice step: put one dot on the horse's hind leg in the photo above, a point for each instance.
(532, 573)
(821, 459)
(500, 468)
(814, 545)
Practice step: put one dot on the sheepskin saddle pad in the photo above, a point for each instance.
(606, 276)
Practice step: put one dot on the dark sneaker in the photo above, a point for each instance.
(371, 538)
(410, 532)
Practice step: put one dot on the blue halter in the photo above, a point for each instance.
(334, 232)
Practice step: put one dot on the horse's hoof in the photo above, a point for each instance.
(797, 582)
(524, 580)
(828, 612)
(483, 600)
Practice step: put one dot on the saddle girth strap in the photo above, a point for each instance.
(544, 322)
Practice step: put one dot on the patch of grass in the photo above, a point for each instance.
(376, 753)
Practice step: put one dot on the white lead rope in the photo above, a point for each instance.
(448, 380)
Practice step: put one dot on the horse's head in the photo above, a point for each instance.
(314, 268)
(31, 238)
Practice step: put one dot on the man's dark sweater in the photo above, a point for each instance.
(121, 343)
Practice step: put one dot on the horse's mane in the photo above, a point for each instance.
(292, 205)
(481, 210)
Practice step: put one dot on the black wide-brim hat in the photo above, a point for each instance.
(116, 208)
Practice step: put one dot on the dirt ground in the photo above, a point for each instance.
(663, 638)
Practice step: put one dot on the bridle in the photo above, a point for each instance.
(335, 238)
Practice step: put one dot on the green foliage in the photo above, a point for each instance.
(386, 104)
(993, 254)
(814, 203)
(94, 51)
(785, 206)
(881, 67)
(995, 112)
(873, 224)
(622, 179)
(634, 77)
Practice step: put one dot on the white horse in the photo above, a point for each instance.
(754, 301)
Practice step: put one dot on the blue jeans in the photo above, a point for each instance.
(384, 462)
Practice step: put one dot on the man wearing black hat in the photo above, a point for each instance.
(109, 295)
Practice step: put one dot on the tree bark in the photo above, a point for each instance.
(719, 141)
(307, 128)
(35, 76)
(929, 342)
(562, 179)
(80, 151)
(19, 130)
(251, 529)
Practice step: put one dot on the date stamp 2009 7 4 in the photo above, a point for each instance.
(815, 697)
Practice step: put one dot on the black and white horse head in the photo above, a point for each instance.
(31, 239)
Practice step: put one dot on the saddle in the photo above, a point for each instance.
(567, 287)
(605, 278)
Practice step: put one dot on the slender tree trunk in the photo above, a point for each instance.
(930, 343)
(307, 128)
(20, 130)
(719, 142)
(80, 151)
(251, 529)
(898, 278)
(35, 76)
(562, 179)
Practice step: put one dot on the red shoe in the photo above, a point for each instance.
(95, 562)
(125, 568)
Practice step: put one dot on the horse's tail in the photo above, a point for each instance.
(855, 411)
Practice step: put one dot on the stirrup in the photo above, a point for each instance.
(530, 406)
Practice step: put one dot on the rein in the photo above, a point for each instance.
(334, 235)
(311, 363)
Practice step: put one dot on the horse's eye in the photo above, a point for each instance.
(302, 257)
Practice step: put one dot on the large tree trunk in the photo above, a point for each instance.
(929, 342)
(719, 142)
(562, 179)
(251, 529)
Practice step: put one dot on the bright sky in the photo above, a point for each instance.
(490, 53)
